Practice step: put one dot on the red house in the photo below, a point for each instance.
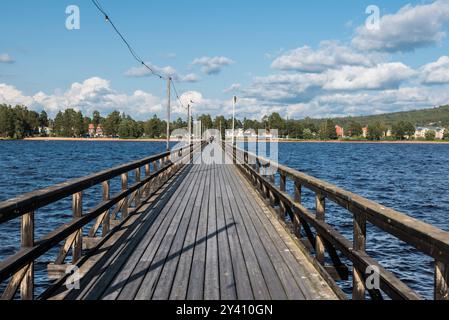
(91, 130)
(365, 132)
(340, 131)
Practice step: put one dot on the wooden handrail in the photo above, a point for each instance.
(15, 207)
(20, 267)
(424, 237)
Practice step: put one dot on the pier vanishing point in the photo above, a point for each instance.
(186, 228)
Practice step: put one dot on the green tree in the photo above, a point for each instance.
(179, 124)
(58, 124)
(70, 123)
(112, 123)
(152, 127)
(355, 129)
(328, 131)
(431, 135)
(43, 120)
(78, 124)
(276, 122)
(308, 134)
(376, 131)
(6, 121)
(403, 130)
(220, 123)
(96, 118)
(206, 121)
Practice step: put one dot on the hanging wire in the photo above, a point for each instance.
(176, 93)
(128, 45)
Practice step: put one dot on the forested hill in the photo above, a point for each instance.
(438, 116)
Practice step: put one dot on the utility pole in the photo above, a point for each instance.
(168, 111)
(234, 101)
(189, 124)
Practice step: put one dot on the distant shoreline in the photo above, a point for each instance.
(281, 141)
(93, 139)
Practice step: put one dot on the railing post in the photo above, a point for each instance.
(282, 186)
(283, 182)
(157, 178)
(125, 201)
(107, 218)
(320, 216)
(27, 241)
(147, 174)
(297, 199)
(77, 209)
(358, 287)
(441, 281)
(138, 191)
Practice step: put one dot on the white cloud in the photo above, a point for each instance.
(191, 77)
(168, 71)
(6, 58)
(382, 76)
(10, 95)
(367, 103)
(92, 94)
(302, 87)
(330, 55)
(235, 87)
(410, 28)
(212, 65)
(436, 72)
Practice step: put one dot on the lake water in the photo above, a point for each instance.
(409, 178)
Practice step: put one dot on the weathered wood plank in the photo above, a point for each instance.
(104, 271)
(167, 277)
(127, 281)
(197, 273)
(258, 283)
(181, 280)
(151, 277)
(242, 281)
(228, 290)
(212, 279)
(274, 268)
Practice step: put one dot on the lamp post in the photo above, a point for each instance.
(189, 115)
(168, 111)
(234, 101)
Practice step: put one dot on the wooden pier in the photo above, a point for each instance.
(185, 229)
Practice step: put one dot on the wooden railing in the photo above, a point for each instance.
(323, 238)
(19, 268)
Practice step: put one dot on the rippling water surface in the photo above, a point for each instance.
(409, 178)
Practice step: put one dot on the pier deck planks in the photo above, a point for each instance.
(208, 236)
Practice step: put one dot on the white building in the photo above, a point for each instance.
(422, 131)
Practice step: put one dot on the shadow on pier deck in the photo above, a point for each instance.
(206, 235)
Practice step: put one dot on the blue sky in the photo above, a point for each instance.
(300, 58)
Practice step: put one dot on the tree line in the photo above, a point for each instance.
(18, 122)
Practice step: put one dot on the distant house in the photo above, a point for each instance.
(99, 133)
(45, 130)
(91, 130)
(365, 132)
(421, 132)
(340, 131)
(250, 134)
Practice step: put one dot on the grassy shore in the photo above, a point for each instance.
(280, 140)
